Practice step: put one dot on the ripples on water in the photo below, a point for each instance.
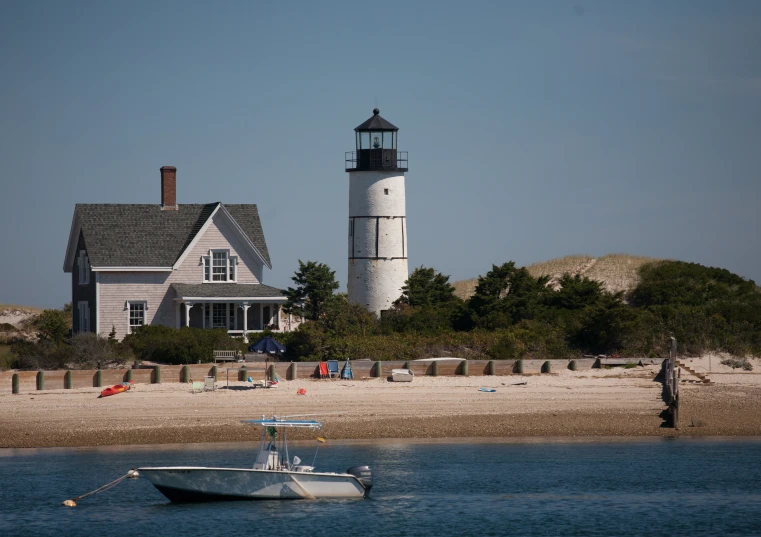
(669, 488)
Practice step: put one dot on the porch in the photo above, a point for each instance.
(240, 308)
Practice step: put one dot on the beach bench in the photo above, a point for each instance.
(225, 356)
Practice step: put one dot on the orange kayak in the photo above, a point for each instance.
(116, 388)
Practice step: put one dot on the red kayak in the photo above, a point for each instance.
(116, 388)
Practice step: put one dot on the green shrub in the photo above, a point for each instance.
(736, 363)
(167, 345)
(8, 359)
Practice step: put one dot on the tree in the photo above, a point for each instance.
(426, 288)
(315, 284)
(53, 325)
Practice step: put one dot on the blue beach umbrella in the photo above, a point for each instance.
(267, 345)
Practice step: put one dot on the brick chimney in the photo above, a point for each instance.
(168, 188)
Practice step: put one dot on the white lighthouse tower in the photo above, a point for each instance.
(377, 216)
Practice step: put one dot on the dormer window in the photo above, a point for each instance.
(219, 266)
(83, 268)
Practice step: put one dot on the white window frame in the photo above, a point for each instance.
(128, 307)
(231, 266)
(83, 268)
(83, 308)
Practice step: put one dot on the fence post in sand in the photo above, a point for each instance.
(406, 365)
(185, 374)
(97, 380)
(271, 372)
(40, 380)
(375, 370)
(156, 375)
(14, 384)
(242, 374)
(572, 365)
(435, 369)
(491, 368)
(213, 372)
(546, 367)
(464, 368)
(293, 371)
(67, 380)
(128, 376)
(518, 367)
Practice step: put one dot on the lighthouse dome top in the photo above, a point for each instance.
(376, 123)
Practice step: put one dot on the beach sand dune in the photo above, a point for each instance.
(616, 402)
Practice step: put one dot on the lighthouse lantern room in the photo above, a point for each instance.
(377, 215)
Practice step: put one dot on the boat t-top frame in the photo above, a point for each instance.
(273, 451)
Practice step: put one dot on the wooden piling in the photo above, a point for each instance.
(242, 374)
(128, 376)
(572, 365)
(67, 383)
(213, 372)
(15, 384)
(546, 367)
(156, 375)
(185, 374)
(40, 380)
(518, 367)
(293, 371)
(375, 369)
(97, 380)
(491, 368)
(435, 368)
(464, 368)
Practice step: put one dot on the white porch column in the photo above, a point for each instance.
(245, 307)
(188, 305)
(277, 321)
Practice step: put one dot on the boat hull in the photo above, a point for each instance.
(199, 484)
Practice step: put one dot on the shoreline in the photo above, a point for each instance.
(507, 440)
(583, 405)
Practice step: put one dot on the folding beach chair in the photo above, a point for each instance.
(347, 373)
(332, 368)
(324, 370)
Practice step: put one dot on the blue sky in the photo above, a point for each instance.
(534, 129)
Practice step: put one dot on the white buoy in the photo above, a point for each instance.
(133, 474)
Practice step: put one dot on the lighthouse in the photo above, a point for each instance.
(377, 215)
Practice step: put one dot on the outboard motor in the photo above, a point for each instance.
(364, 475)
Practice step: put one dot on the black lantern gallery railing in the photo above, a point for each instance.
(376, 160)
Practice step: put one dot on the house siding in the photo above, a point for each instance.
(82, 292)
(118, 288)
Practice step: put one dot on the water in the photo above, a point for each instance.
(664, 487)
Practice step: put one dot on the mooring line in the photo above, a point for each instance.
(73, 503)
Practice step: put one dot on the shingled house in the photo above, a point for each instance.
(175, 265)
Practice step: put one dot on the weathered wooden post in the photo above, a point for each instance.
(572, 365)
(67, 383)
(156, 375)
(213, 372)
(15, 384)
(128, 376)
(40, 380)
(98, 379)
(406, 365)
(242, 374)
(491, 368)
(464, 368)
(435, 368)
(271, 372)
(518, 367)
(294, 371)
(185, 374)
(546, 367)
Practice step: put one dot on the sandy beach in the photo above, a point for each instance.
(615, 402)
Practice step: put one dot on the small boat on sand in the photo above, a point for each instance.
(116, 388)
(402, 375)
(274, 476)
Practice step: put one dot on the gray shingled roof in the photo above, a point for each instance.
(226, 290)
(132, 235)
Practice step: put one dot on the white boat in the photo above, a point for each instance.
(402, 375)
(273, 476)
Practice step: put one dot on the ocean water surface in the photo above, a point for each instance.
(639, 487)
